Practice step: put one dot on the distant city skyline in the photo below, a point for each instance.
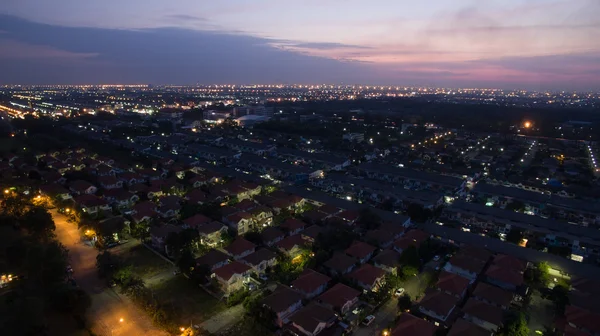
(511, 44)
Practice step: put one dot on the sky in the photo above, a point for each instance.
(526, 44)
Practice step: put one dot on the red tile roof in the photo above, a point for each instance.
(259, 256)
(246, 205)
(312, 232)
(389, 258)
(338, 296)
(80, 185)
(452, 283)
(505, 275)
(493, 294)
(228, 271)
(288, 243)
(476, 253)
(464, 328)
(239, 246)
(510, 262)
(409, 325)
(484, 311)
(381, 237)
(237, 217)
(439, 302)
(210, 228)
(360, 250)
(271, 234)
(467, 263)
(89, 200)
(367, 274)
(293, 224)
(329, 209)
(311, 316)
(282, 298)
(309, 281)
(212, 258)
(349, 215)
(197, 220)
(196, 196)
(340, 262)
(583, 319)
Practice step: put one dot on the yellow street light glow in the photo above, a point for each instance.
(121, 320)
(527, 124)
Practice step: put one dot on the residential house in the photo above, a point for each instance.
(506, 272)
(292, 246)
(241, 222)
(262, 216)
(409, 325)
(313, 319)
(581, 321)
(260, 260)
(349, 217)
(246, 205)
(439, 306)
(247, 146)
(284, 301)
(393, 229)
(340, 298)
(121, 198)
(368, 277)
(91, 204)
(463, 327)
(196, 196)
(311, 233)
(55, 191)
(411, 238)
(196, 221)
(493, 295)
(311, 283)
(240, 248)
(169, 206)
(361, 251)
(80, 187)
(213, 259)
(130, 178)
(484, 315)
(271, 235)
(210, 233)
(292, 226)
(285, 202)
(465, 265)
(388, 260)
(381, 238)
(340, 264)
(159, 234)
(452, 284)
(144, 211)
(232, 276)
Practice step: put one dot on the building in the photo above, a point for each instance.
(260, 260)
(484, 315)
(340, 298)
(409, 324)
(311, 283)
(240, 248)
(284, 301)
(312, 319)
(439, 306)
(368, 277)
(233, 276)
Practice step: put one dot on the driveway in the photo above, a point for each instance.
(224, 319)
(108, 307)
(384, 317)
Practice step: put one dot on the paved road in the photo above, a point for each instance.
(383, 318)
(108, 308)
(224, 319)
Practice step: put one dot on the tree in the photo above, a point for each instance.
(410, 257)
(254, 237)
(38, 222)
(228, 236)
(404, 303)
(368, 219)
(140, 230)
(516, 326)
(186, 262)
(407, 272)
(516, 205)
(418, 213)
(514, 236)
(538, 276)
(107, 264)
(560, 297)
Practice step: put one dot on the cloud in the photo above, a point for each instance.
(186, 17)
(10, 49)
(321, 45)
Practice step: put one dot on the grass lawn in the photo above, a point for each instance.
(144, 262)
(188, 302)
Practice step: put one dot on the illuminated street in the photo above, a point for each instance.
(111, 314)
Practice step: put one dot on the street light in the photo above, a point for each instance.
(121, 320)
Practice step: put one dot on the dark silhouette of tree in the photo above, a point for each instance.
(404, 303)
(368, 220)
(514, 236)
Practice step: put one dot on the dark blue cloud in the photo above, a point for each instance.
(165, 55)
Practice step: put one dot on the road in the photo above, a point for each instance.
(383, 319)
(110, 313)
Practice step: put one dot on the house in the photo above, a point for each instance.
(411, 238)
(196, 221)
(293, 226)
(240, 248)
(271, 235)
(368, 277)
(292, 245)
(349, 217)
(246, 205)
(130, 178)
(122, 198)
(409, 325)
(452, 284)
(232, 276)
(388, 260)
(381, 238)
(262, 216)
(91, 204)
(360, 251)
(82, 187)
(169, 206)
(465, 265)
(55, 191)
(311, 233)
(196, 196)
(340, 264)
(506, 272)
(463, 327)
(394, 229)
(484, 315)
(438, 305)
(493, 295)
(313, 319)
(580, 321)
(144, 211)
(284, 301)
(340, 298)
(213, 259)
(210, 233)
(199, 180)
(159, 234)
(260, 260)
(110, 182)
(311, 283)
(241, 222)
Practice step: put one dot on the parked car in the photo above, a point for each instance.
(399, 292)
(368, 320)
(436, 258)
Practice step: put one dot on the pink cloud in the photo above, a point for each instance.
(10, 49)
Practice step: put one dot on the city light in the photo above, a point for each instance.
(527, 124)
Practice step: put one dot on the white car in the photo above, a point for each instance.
(368, 320)
(399, 292)
(436, 258)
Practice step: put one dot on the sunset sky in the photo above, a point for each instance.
(532, 44)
